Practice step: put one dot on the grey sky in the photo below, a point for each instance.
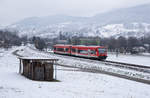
(15, 10)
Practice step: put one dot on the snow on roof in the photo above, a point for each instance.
(78, 45)
(38, 58)
(87, 46)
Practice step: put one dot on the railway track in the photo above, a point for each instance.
(141, 80)
(133, 65)
(140, 68)
(142, 75)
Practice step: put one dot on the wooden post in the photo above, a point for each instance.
(32, 71)
(55, 72)
(20, 66)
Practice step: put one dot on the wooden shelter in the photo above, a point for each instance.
(35, 68)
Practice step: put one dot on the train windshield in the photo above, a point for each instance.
(101, 50)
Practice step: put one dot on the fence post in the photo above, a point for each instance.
(55, 71)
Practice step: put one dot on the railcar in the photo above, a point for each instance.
(62, 49)
(97, 52)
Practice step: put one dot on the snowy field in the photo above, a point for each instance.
(83, 63)
(1, 52)
(73, 84)
(133, 59)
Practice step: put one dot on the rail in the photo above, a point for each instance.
(141, 68)
(105, 72)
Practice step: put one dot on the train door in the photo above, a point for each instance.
(93, 52)
(89, 52)
(76, 51)
(70, 48)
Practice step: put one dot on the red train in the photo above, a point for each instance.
(97, 52)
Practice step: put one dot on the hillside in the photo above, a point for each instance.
(137, 14)
(122, 22)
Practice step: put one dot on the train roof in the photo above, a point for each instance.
(62, 45)
(87, 46)
(78, 45)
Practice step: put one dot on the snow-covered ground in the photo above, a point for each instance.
(133, 59)
(1, 52)
(73, 84)
(146, 54)
(82, 63)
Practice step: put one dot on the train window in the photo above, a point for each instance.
(79, 51)
(55, 48)
(66, 49)
(73, 50)
(83, 51)
(92, 52)
(101, 50)
(60, 49)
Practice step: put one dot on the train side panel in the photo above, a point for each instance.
(98, 52)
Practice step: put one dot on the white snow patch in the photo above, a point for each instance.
(73, 84)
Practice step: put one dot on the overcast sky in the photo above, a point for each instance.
(15, 10)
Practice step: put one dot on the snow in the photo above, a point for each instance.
(133, 59)
(78, 28)
(73, 84)
(145, 54)
(37, 58)
(1, 52)
(85, 64)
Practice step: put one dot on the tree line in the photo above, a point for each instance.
(120, 44)
(126, 44)
(9, 38)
